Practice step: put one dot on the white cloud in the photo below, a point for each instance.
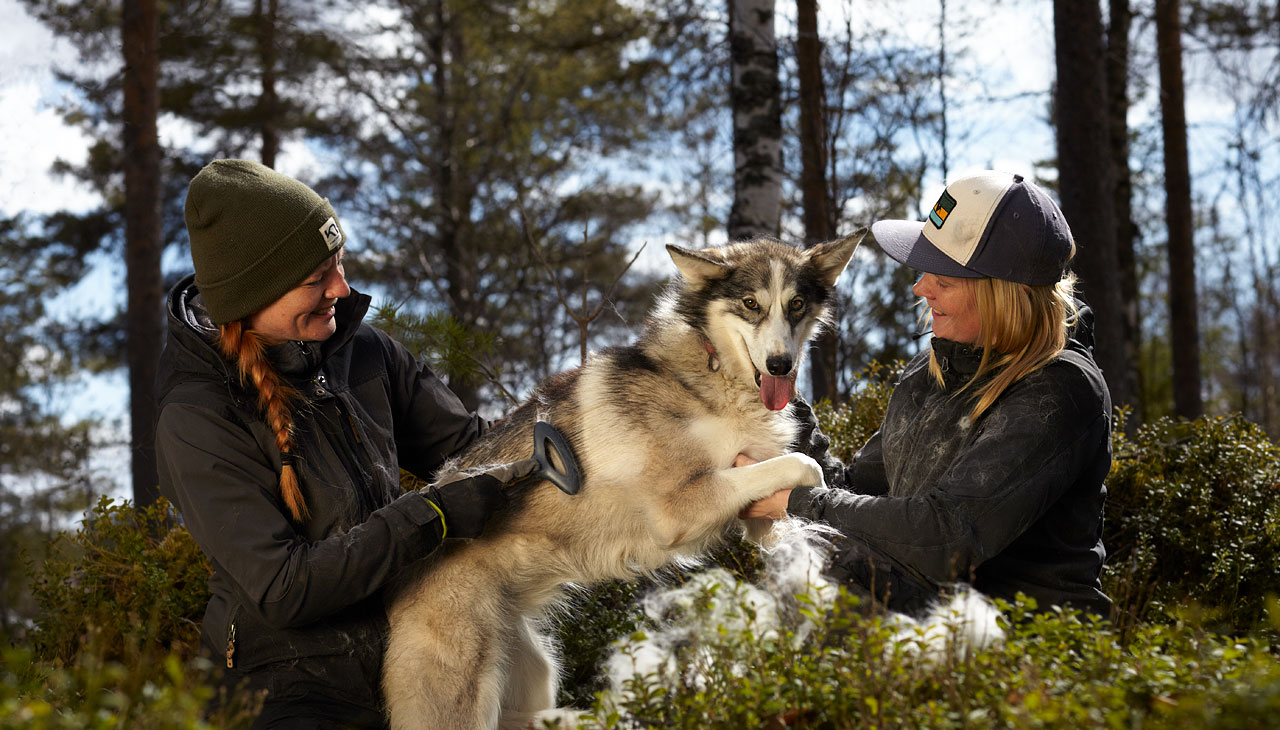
(31, 127)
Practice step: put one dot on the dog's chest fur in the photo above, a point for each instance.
(723, 437)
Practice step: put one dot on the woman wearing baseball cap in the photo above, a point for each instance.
(284, 423)
(989, 465)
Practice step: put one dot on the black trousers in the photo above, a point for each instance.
(315, 693)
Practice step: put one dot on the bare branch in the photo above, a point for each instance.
(582, 318)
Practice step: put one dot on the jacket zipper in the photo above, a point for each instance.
(231, 645)
(349, 453)
(323, 384)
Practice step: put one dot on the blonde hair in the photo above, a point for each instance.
(247, 351)
(1023, 328)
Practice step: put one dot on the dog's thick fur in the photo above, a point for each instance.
(656, 427)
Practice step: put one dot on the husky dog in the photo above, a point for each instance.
(655, 427)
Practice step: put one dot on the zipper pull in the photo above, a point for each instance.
(351, 421)
(231, 646)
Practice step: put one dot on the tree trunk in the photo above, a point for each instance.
(144, 325)
(1184, 326)
(818, 225)
(268, 101)
(451, 200)
(1117, 65)
(754, 96)
(1085, 179)
(943, 132)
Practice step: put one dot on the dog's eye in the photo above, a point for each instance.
(750, 303)
(797, 304)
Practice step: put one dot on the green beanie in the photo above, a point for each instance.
(255, 234)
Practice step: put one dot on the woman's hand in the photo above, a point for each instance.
(774, 506)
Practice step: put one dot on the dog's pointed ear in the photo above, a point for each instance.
(831, 257)
(697, 267)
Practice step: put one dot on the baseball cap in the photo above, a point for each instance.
(990, 224)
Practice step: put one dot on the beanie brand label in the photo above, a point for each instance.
(332, 233)
(942, 209)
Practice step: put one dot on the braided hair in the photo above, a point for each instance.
(247, 351)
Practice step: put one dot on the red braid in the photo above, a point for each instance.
(246, 349)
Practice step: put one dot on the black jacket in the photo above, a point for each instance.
(281, 590)
(1012, 502)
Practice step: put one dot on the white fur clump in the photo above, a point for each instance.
(712, 602)
(966, 621)
(792, 591)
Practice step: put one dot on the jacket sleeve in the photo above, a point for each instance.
(225, 486)
(431, 423)
(866, 475)
(1032, 447)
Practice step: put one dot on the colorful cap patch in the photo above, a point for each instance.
(942, 209)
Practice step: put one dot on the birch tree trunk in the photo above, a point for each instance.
(757, 120)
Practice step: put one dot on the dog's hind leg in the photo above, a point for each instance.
(442, 670)
(531, 677)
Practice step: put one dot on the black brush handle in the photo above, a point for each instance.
(545, 435)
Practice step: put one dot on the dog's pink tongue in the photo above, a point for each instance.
(775, 391)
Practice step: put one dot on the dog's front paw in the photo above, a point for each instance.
(803, 471)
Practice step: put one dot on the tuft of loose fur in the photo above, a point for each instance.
(691, 619)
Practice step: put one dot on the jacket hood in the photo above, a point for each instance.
(190, 351)
(1080, 336)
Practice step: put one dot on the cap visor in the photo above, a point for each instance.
(904, 241)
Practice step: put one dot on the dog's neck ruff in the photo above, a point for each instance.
(771, 387)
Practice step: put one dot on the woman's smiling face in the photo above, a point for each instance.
(954, 307)
(305, 312)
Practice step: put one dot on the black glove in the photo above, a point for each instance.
(466, 499)
(815, 444)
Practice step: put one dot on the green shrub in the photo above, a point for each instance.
(91, 694)
(1192, 514)
(126, 584)
(1193, 518)
(1053, 670)
(115, 641)
(1192, 532)
(853, 421)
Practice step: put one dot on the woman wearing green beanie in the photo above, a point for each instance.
(284, 423)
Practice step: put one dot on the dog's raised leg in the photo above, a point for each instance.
(702, 506)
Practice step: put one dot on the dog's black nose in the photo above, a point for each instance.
(778, 364)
